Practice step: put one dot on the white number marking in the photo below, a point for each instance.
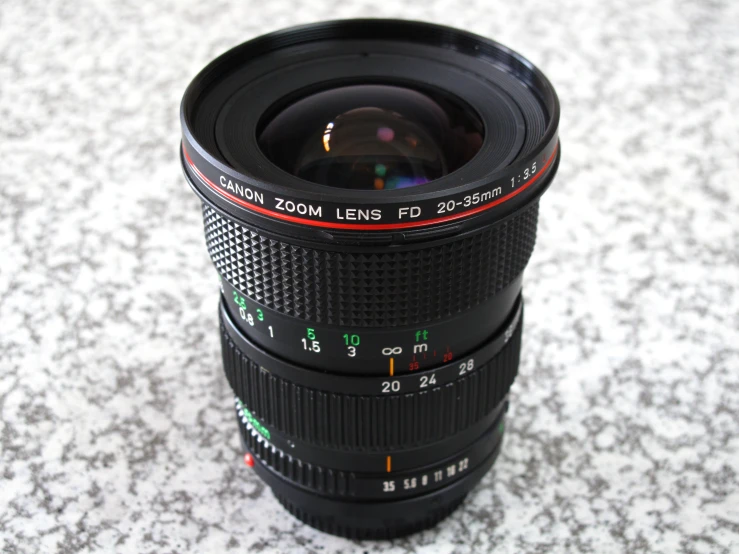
(312, 346)
(427, 380)
(466, 367)
(391, 386)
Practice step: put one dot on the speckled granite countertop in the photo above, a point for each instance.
(116, 430)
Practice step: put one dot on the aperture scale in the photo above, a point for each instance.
(387, 486)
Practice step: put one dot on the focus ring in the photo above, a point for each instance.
(370, 423)
(371, 289)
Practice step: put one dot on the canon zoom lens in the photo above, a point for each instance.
(370, 194)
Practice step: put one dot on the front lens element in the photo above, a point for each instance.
(376, 137)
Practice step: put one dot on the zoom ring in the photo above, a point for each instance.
(371, 423)
(371, 289)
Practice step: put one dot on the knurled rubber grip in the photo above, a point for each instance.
(365, 287)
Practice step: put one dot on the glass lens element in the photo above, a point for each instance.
(375, 137)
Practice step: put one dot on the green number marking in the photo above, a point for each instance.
(260, 315)
(311, 333)
(351, 340)
(240, 300)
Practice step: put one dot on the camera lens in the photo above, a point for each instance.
(372, 137)
(370, 195)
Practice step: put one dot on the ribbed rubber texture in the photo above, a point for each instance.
(371, 423)
(330, 525)
(363, 289)
(320, 479)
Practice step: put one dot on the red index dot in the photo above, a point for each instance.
(249, 460)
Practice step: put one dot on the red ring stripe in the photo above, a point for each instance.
(364, 226)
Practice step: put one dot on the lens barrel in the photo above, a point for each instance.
(370, 318)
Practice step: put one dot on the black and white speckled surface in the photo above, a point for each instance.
(116, 431)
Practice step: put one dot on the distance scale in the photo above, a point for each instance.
(381, 351)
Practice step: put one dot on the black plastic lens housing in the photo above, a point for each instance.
(370, 195)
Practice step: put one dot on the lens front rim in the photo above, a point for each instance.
(501, 117)
(247, 198)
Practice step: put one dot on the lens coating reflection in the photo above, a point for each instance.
(376, 137)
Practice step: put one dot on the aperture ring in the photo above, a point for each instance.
(371, 287)
(311, 476)
(332, 482)
(370, 422)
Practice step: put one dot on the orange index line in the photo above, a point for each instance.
(392, 370)
(389, 463)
